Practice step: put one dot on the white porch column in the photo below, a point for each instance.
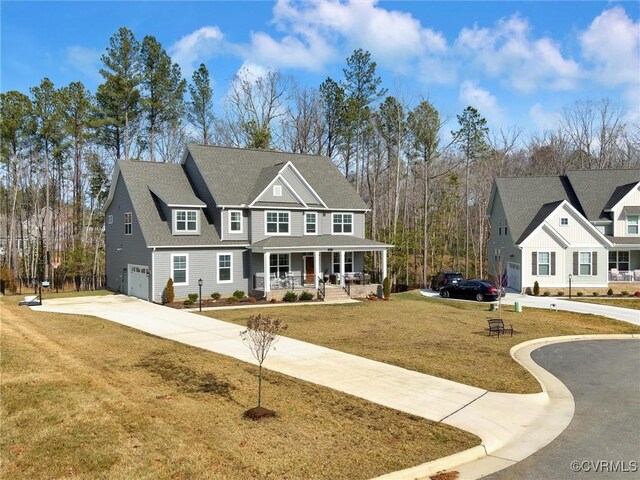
(342, 268)
(267, 275)
(316, 269)
(384, 264)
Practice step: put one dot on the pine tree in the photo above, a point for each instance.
(200, 107)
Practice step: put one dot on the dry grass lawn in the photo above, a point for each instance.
(83, 397)
(443, 338)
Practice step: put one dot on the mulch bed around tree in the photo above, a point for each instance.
(258, 413)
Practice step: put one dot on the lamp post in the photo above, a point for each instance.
(200, 292)
(570, 277)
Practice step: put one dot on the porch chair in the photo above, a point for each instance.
(636, 275)
(615, 275)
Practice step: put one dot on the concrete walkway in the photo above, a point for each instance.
(515, 425)
(617, 313)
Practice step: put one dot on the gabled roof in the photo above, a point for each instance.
(168, 182)
(237, 176)
(599, 190)
(544, 212)
(527, 198)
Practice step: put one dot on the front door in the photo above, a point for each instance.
(309, 273)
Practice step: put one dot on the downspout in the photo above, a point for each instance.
(222, 225)
(153, 271)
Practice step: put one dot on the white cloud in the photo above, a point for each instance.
(483, 101)
(509, 51)
(612, 43)
(309, 53)
(542, 119)
(85, 60)
(196, 47)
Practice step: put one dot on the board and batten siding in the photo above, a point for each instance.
(286, 197)
(299, 187)
(201, 263)
(120, 249)
(575, 232)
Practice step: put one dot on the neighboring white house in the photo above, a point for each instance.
(583, 225)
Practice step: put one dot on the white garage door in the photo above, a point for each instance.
(513, 276)
(138, 281)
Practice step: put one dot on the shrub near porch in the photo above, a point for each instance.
(443, 338)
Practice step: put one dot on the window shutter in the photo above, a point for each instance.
(594, 263)
(575, 263)
(534, 263)
(553, 263)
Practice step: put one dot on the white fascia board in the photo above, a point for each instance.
(243, 245)
(180, 205)
(637, 185)
(303, 180)
(281, 178)
(291, 189)
(112, 188)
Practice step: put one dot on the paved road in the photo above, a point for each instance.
(604, 377)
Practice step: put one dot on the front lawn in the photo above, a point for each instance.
(84, 397)
(633, 303)
(439, 337)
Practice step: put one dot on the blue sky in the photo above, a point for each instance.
(519, 63)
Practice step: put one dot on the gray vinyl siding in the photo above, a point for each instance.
(202, 263)
(133, 249)
(299, 187)
(499, 242)
(226, 225)
(286, 197)
(358, 223)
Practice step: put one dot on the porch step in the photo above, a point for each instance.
(335, 293)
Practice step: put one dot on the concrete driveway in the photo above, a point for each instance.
(603, 439)
(617, 313)
(513, 425)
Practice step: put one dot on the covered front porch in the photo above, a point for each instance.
(624, 265)
(281, 264)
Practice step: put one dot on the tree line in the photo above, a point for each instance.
(427, 185)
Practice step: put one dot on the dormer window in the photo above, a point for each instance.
(185, 221)
(235, 221)
(632, 225)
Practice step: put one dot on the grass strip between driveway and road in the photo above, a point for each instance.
(445, 338)
(85, 397)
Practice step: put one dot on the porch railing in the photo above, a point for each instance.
(322, 289)
(624, 275)
(290, 281)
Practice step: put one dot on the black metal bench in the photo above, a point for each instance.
(496, 325)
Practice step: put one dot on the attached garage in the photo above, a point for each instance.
(513, 276)
(138, 281)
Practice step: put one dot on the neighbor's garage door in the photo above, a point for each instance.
(139, 281)
(513, 276)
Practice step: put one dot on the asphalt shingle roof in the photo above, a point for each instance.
(328, 241)
(546, 210)
(597, 190)
(170, 181)
(236, 176)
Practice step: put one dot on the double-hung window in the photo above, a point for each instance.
(343, 223)
(632, 224)
(179, 269)
(127, 223)
(585, 263)
(544, 263)
(235, 221)
(348, 262)
(186, 221)
(279, 264)
(224, 268)
(311, 223)
(277, 223)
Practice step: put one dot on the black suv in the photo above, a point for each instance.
(445, 279)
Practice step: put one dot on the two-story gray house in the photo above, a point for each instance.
(237, 219)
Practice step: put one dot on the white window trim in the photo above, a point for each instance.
(353, 262)
(278, 264)
(277, 190)
(186, 275)
(353, 227)
(590, 274)
(274, 234)
(637, 224)
(230, 267)
(130, 223)
(230, 222)
(315, 214)
(186, 231)
(110, 220)
(540, 263)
